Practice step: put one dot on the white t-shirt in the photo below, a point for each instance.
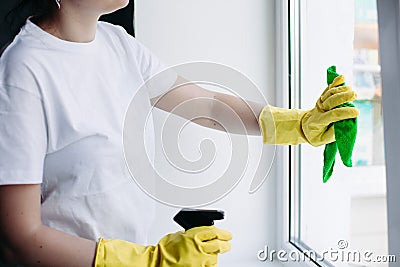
(62, 106)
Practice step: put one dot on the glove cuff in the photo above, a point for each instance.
(121, 253)
(281, 126)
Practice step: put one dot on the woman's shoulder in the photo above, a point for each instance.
(15, 65)
(20, 51)
(111, 28)
(117, 33)
(13, 46)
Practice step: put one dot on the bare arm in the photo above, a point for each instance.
(218, 111)
(24, 240)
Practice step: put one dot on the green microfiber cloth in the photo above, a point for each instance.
(345, 135)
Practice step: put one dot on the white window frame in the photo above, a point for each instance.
(286, 76)
(287, 62)
(288, 82)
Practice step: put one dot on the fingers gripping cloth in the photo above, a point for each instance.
(345, 137)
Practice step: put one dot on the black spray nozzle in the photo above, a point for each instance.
(190, 218)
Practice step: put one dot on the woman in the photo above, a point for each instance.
(65, 84)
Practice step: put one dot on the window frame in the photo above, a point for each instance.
(288, 95)
(287, 62)
(287, 59)
(288, 80)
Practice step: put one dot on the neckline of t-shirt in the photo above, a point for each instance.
(55, 42)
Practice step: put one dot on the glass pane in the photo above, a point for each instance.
(348, 213)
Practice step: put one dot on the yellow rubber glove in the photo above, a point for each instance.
(198, 246)
(294, 126)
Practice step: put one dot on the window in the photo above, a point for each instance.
(348, 213)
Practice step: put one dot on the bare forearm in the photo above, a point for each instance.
(235, 115)
(48, 247)
(25, 240)
(211, 109)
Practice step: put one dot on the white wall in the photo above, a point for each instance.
(240, 34)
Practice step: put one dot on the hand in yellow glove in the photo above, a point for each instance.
(198, 246)
(295, 126)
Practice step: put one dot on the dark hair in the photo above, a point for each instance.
(15, 15)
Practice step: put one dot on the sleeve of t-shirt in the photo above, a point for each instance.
(158, 77)
(23, 141)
